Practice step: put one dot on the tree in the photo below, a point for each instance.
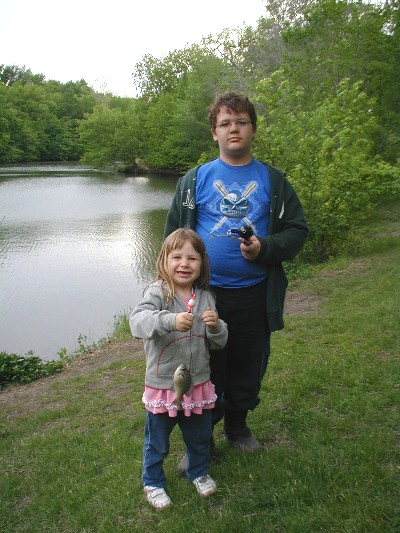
(9, 74)
(348, 40)
(153, 76)
(328, 153)
(24, 113)
(175, 126)
(111, 135)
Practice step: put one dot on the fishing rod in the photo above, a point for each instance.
(244, 232)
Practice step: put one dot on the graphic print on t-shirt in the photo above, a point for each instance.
(233, 204)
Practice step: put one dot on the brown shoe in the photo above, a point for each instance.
(245, 444)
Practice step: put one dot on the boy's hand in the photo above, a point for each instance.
(250, 251)
(183, 321)
(210, 318)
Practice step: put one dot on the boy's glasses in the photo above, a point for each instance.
(239, 122)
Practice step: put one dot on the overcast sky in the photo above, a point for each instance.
(102, 41)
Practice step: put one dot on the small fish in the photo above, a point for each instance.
(182, 383)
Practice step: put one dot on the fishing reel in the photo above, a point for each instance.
(244, 232)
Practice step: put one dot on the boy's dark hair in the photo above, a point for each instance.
(238, 103)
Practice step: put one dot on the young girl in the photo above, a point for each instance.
(178, 322)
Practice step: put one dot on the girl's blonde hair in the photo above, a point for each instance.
(175, 241)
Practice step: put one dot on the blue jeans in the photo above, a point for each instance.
(196, 431)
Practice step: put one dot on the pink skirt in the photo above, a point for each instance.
(161, 400)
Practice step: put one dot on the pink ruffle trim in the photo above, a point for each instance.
(161, 400)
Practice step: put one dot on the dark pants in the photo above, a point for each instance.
(237, 369)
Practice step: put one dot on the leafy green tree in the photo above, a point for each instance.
(23, 115)
(5, 133)
(252, 54)
(198, 88)
(161, 126)
(328, 153)
(153, 76)
(69, 104)
(9, 74)
(348, 40)
(175, 126)
(74, 99)
(111, 135)
(39, 120)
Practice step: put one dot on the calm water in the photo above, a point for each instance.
(77, 247)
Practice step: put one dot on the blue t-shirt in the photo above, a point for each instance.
(228, 197)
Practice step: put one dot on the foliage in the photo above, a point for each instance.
(24, 369)
(175, 122)
(355, 41)
(39, 121)
(122, 329)
(327, 118)
(9, 74)
(153, 75)
(110, 135)
(327, 152)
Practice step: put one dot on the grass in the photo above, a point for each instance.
(328, 419)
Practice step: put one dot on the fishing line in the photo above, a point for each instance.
(190, 305)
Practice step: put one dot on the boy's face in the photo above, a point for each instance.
(234, 134)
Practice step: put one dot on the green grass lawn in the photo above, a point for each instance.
(328, 419)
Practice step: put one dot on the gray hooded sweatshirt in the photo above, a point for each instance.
(154, 321)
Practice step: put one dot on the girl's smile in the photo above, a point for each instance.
(184, 265)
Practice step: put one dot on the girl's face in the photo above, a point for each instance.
(184, 265)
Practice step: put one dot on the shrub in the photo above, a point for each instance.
(327, 150)
(24, 369)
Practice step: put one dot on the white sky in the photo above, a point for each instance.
(102, 41)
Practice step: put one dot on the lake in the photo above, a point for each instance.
(77, 248)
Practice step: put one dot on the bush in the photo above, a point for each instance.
(21, 369)
(327, 151)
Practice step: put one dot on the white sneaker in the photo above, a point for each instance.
(157, 497)
(205, 486)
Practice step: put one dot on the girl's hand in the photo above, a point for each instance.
(210, 318)
(183, 321)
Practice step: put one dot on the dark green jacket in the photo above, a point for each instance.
(287, 232)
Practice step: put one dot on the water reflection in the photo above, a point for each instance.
(76, 249)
